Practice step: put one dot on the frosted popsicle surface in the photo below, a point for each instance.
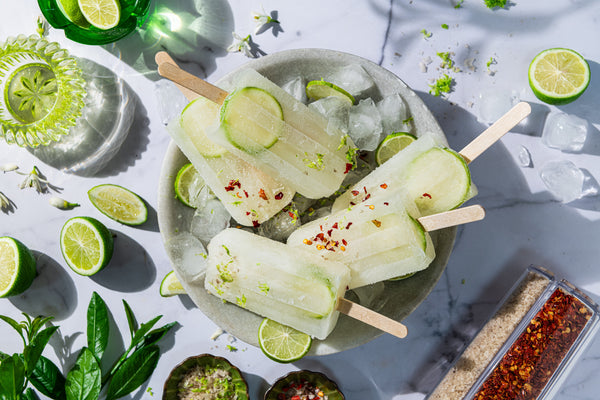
(292, 143)
(378, 239)
(289, 285)
(250, 195)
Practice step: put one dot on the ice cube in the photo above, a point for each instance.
(565, 132)
(495, 103)
(364, 125)
(200, 193)
(394, 114)
(296, 88)
(563, 179)
(335, 110)
(170, 100)
(354, 79)
(210, 220)
(189, 255)
(281, 225)
(524, 157)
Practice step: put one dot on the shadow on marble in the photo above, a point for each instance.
(151, 223)
(52, 284)
(193, 32)
(130, 269)
(63, 348)
(187, 302)
(586, 106)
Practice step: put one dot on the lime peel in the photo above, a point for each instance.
(17, 267)
(86, 245)
(282, 343)
(119, 204)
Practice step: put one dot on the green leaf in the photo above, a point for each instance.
(33, 351)
(84, 380)
(134, 372)
(16, 326)
(144, 328)
(3, 356)
(47, 378)
(155, 335)
(12, 376)
(38, 323)
(131, 321)
(97, 326)
(30, 395)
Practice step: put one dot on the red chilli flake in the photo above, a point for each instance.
(383, 186)
(367, 197)
(279, 196)
(329, 232)
(262, 194)
(533, 358)
(385, 203)
(348, 168)
(255, 223)
(246, 194)
(375, 222)
(344, 242)
(355, 193)
(348, 226)
(426, 195)
(365, 189)
(335, 225)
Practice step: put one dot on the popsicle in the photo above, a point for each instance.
(378, 239)
(264, 125)
(437, 178)
(287, 284)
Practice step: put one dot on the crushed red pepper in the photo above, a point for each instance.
(279, 196)
(262, 194)
(426, 195)
(529, 364)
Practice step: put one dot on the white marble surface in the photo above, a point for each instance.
(524, 224)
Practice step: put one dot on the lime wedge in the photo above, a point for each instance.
(558, 76)
(103, 14)
(196, 118)
(17, 267)
(71, 10)
(86, 245)
(319, 89)
(392, 144)
(170, 286)
(119, 204)
(281, 343)
(188, 184)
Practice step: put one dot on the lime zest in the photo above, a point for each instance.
(442, 85)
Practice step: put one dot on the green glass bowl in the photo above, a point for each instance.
(43, 91)
(327, 386)
(133, 14)
(170, 391)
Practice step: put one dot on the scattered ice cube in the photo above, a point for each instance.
(563, 179)
(296, 88)
(200, 193)
(565, 132)
(394, 114)
(495, 103)
(189, 256)
(524, 157)
(354, 79)
(210, 220)
(335, 110)
(364, 125)
(170, 100)
(281, 225)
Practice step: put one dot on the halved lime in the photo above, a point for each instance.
(281, 343)
(252, 119)
(70, 8)
(103, 14)
(170, 285)
(119, 204)
(392, 144)
(86, 245)
(196, 117)
(438, 180)
(319, 89)
(188, 184)
(558, 76)
(17, 267)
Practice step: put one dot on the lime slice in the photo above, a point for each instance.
(282, 343)
(319, 89)
(438, 180)
(119, 204)
(558, 76)
(402, 277)
(170, 285)
(392, 144)
(252, 119)
(188, 184)
(196, 118)
(86, 245)
(103, 14)
(17, 267)
(70, 8)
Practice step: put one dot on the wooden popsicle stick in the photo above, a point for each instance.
(191, 82)
(371, 317)
(492, 134)
(459, 216)
(163, 57)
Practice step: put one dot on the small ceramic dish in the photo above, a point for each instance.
(203, 362)
(304, 377)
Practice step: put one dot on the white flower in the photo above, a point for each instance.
(4, 202)
(262, 20)
(34, 180)
(9, 167)
(241, 45)
(61, 204)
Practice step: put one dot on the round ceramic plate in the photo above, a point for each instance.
(394, 299)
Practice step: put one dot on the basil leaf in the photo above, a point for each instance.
(97, 326)
(32, 352)
(130, 318)
(84, 380)
(3, 356)
(12, 376)
(155, 335)
(30, 395)
(133, 372)
(16, 326)
(144, 328)
(47, 378)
